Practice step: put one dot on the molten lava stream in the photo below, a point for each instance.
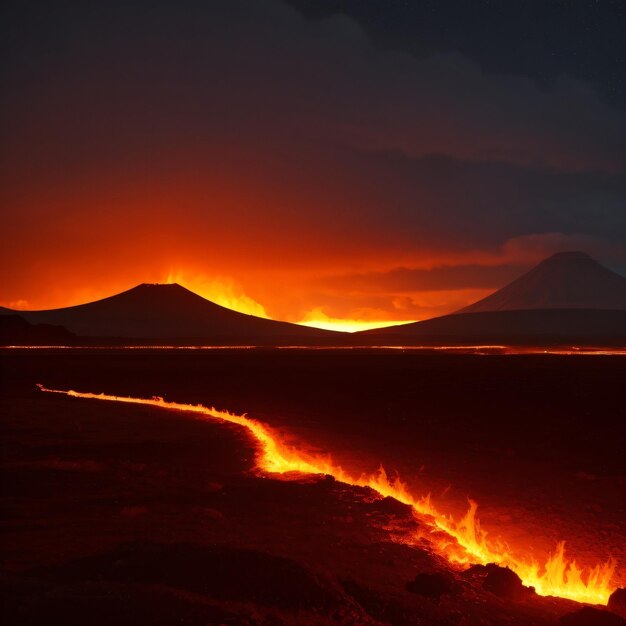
(464, 541)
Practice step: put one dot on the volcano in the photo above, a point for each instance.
(567, 298)
(170, 312)
(567, 280)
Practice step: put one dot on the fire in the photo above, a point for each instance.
(463, 541)
(222, 291)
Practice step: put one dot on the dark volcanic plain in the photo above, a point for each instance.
(128, 514)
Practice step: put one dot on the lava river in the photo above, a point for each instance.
(461, 541)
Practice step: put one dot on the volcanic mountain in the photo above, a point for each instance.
(171, 312)
(567, 280)
(567, 298)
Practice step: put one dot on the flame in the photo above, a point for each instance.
(222, 291)
(462, 541)
(318, 319)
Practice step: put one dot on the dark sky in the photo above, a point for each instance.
(264, 152)
(541, 39)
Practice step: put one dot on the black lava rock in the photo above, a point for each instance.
(617, 602)
(588, 616)
(432, 585)
(500, 581)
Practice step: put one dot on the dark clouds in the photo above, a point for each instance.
(439, 199)
(541, 40)
(233, 66)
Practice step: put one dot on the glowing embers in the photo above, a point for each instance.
(461, 541)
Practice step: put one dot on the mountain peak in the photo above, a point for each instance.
(159, 286)
(570, 255)
(157, 295)
(566, 280)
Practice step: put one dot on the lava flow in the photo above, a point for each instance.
(465, 542)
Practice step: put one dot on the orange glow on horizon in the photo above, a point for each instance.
(230, 294)
(460, 541)
(318, 319)
(347, 325)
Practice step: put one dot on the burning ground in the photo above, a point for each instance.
(125, 510)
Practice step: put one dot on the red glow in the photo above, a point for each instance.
(131, 228)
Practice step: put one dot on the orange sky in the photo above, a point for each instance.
(242, 245)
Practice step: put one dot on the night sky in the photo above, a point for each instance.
(363, 159)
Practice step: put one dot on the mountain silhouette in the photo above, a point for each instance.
(170, 312)
(16, 331)
(567, 280)
(567, 299)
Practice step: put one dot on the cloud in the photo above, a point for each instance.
(411, 280)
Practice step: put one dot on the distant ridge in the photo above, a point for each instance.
(537, 327)
(567, 280)
(170, 312)
(16, 331)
